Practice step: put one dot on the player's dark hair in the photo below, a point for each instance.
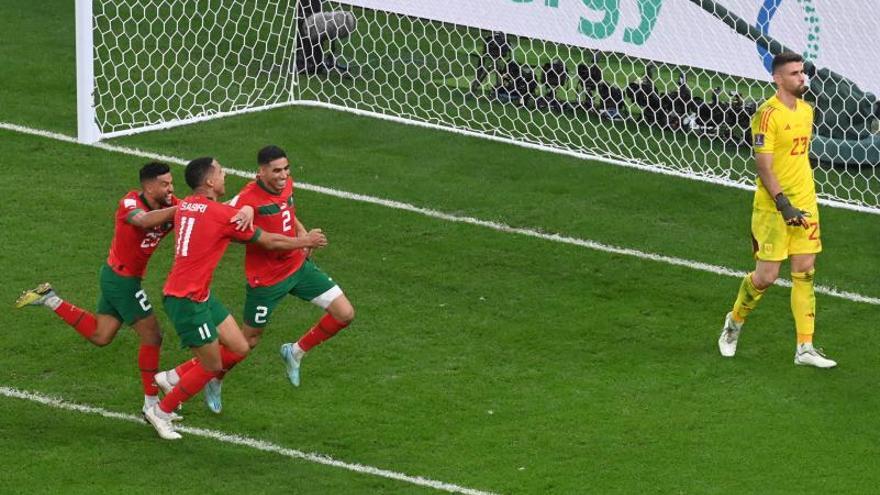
(197, 171)
(785, 58)
(152, 170)
(270, 153)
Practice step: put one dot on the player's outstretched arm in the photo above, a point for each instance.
(243, 218)
(302, 232)
(300, 228)
(149, 219)
(274, 242)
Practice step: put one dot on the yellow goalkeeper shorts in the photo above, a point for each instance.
(773, 240)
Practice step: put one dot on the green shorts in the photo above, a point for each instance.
(122, 297)
(195, 322)
(308, 283)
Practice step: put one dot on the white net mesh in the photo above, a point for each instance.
(164, 61)
(160, 61)
(665, 116)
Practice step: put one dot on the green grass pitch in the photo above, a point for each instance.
(480, 358)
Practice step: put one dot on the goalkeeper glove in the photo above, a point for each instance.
(792, 215)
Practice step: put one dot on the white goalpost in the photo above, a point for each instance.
(144, 65)
(667, 86)
(86, 125)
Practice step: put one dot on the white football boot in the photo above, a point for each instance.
(292, 356)
(164, 383)
(807, 355)
(161, 421)
(729, 336)
(161, 379)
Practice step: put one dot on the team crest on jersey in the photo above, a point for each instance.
(759, 140)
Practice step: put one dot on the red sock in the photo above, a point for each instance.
(326, 327)
(82, 321)
(190, 384)
(185, 366)
(230, 359)
(148, 362)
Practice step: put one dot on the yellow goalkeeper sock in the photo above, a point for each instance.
(803, 305)
(746, 299)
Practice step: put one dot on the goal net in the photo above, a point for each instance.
(666, 86)
(160, 63)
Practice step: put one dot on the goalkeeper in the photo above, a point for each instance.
(785, 217)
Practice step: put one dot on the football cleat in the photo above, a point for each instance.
(35, 297)
(292, 362)
(807, 355)
(161, 380)
(212, 395)
(729, 336)
(173, 416)
(161, 422)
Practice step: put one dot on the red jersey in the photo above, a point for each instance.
(132, 246)
(273, 213)
(202, 235)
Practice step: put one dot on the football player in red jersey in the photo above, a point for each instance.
(203, 232)
(143, 219)
(272, 275)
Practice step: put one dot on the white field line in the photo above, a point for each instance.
(261, 445)
(586, 243)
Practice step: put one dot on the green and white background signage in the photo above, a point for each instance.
(832, 33)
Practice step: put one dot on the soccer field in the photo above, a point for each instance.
(526, 323)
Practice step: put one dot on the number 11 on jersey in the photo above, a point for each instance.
(183, 234)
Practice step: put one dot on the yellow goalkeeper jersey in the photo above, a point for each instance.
(786, 134)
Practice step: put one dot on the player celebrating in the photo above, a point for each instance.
(143, 219)
(785, 216)
(271, 275)
(204, 231)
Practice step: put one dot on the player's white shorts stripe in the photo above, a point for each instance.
(327, 297)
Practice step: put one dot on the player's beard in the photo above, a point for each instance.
(801, 90)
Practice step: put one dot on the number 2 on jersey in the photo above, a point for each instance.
(285, 226)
